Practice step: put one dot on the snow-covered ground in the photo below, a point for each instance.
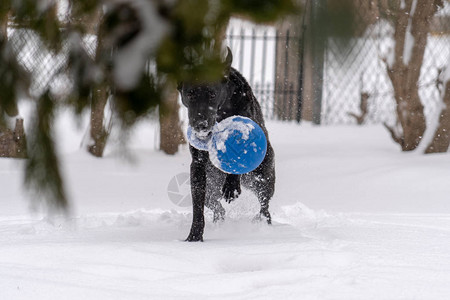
(354, 218)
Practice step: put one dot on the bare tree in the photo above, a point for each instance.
(99, 131)
(411, 20)
(363, 106)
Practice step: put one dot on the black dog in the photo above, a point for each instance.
(208, 103)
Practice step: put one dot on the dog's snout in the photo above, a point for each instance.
(201, 125)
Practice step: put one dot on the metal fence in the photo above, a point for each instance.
(289, 84)
(360, 70)
(46, 67)
(253, 50)
(350, 76)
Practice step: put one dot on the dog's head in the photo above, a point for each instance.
(203, 100)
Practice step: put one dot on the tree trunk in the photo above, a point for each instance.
(441, 139)
(171, 135)
(20, 139)
(99, 98)
(13, 142)
(4, 28)
(412, 25)
(99, 133)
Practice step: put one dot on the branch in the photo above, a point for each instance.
(398, 139)
(363, 107)
(42, 170)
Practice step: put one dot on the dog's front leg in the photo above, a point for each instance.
(232, 187)
(198, 191)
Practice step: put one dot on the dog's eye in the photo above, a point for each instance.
(213, 95)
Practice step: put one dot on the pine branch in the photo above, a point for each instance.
(42, 171)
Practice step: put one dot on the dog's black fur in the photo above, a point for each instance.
(210, 103)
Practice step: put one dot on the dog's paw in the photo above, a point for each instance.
(219, 215)
(194, 238)
(263, 215)
(231, 192)
(196, 233)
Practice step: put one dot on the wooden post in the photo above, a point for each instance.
(171, 135)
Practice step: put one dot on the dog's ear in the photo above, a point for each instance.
(227, 63)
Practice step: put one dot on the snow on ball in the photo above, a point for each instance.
(238, 145)
(196, 142)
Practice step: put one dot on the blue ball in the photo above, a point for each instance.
(238, 145)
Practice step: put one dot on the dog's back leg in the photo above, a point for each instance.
(264, 192)
(214, 204)
(262, 182)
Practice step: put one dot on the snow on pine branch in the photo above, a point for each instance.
(130, 59)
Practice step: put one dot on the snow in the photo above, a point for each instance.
(354, 218)
(445, 75)
(409, 38)
(409, 44)
(434, 118)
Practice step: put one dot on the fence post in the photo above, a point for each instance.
(252, 54)
(241, 49)
(263, 59)
(287, 68)
(318, 60)
(286, 99)
(301, 52)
